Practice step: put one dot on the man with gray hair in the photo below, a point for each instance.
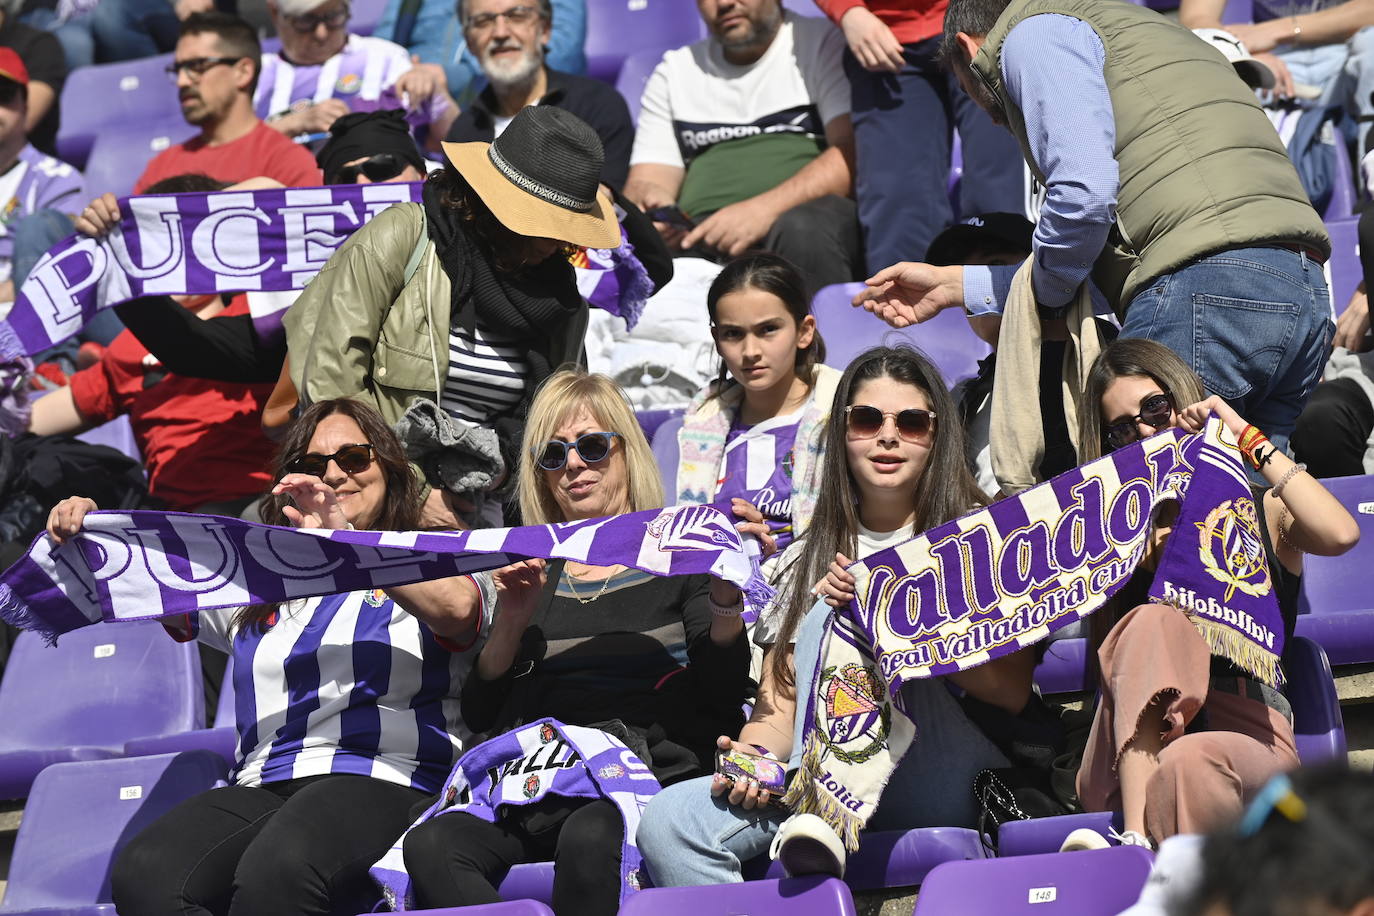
(323, 71)
(509, 40)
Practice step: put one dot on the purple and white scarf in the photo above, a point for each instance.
(1007, 576)
(236, 241)
(143, 564)
(527, 765)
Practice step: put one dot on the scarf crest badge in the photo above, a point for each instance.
(1009, 575)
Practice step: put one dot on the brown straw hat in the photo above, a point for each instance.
(541, 178)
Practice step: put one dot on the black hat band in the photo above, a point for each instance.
(538, 189)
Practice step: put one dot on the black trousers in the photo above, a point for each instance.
(1333, 429)
(457, 859)
(285, 849)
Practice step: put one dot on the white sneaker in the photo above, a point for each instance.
(1083, 838)
(1131, 838)
(806, 845)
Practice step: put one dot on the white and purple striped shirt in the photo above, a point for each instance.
(36, 182)
(757, 466)
(347, 683)
(362, 74)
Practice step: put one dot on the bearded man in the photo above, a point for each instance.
(508, 39)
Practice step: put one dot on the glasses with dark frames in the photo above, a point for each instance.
(913, 424)
(591, 447)
(1155, 412)
(196, 67)
(351, 459)
(310, 21)
(516, 15)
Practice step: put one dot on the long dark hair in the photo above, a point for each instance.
(945, 490)
(508, 251)
(775, 275)
(1131, 357)
(400, 505)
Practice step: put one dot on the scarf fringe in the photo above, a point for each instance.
(1260, 663)
(807, 796)
(17, 613)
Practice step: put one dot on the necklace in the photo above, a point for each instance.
(573, 588)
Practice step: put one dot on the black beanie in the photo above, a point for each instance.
(364, 134)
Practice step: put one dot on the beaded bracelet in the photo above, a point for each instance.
(1292, 472)
(723, 610)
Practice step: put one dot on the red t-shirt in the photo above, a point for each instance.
(202, 441)
(910, 20)
(263, 151)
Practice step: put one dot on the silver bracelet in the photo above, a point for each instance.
(1288, 475)
(723, 610)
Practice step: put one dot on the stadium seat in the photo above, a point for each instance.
(802, 7)
(118, 434)
(1343, 197)
(365, 15)
(892, 858)
(634, 73)
(1064, 668)
(616, 27)
(98, 688)
(223, 739)
(120, 155)
(1336, 605)
(665, 448)
(947, 338)
(1345, 272)
(651, 420)
(1317, 725)
(80, 815)
(505, 908)
(95, 99)
(813, 896)
(1100, 882)
(1237, 11)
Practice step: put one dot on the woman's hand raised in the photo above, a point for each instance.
(316, 505)
(66, 517)
(837, 585)
(1194, 416)
(752, 524)
(517, 590)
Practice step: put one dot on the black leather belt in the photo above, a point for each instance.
(1255, 690)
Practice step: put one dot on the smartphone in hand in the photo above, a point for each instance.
(673, 216)
(768, 773)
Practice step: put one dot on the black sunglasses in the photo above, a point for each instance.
(591, 447)
(1155, 412)
(381, 167)
(310, 21)
(351, 459)
(197, 66)
(913, 424)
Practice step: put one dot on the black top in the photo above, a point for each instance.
(44, 59)
(225, 348)
(594, 102)
(639, 653)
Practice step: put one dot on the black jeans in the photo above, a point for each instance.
(457, 859)
(1333, 429)
(288, 848)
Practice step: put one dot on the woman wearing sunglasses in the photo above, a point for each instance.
(660, 662)
(894, 467)
(1182, 737)
(347, 711)
(755, 432)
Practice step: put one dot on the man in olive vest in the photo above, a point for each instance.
(1166, 186)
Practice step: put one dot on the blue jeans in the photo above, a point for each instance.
(78, 44)
(902, 134)
(1253, 323)
(688, 837)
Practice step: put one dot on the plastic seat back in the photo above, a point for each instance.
(665, 448)
(634, 73)
(97, 98)
(947, 338)
(119, 156)
(1100, 882)
(1317, 722)
(785, 897)
(1336, 605)
(1344, 270)
(80, 815)
(614, 27)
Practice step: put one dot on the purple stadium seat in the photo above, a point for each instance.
(1343, 197)
(1041, 835)
(1237, 11)
(505, 908)
(223, 739)
(634, 73)
(120, 155)
(664, 445)
(1064, 668)
(947, 338)
(365, 15)
(1345, 270)
(615, 27)
(95, 99)
(802, 7)
(1101, 882)
(1336, 605)
(651, 420)
(80, 815)
(118, 434)
(814, 896)
(893, 858)
(100, 687)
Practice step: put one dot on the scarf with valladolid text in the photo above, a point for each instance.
(537, 761)
(1007, 576)
(144, 564)
(237, 241)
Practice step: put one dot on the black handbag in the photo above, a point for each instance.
(1012, 794)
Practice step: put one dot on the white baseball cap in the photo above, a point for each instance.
(1255, 74)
